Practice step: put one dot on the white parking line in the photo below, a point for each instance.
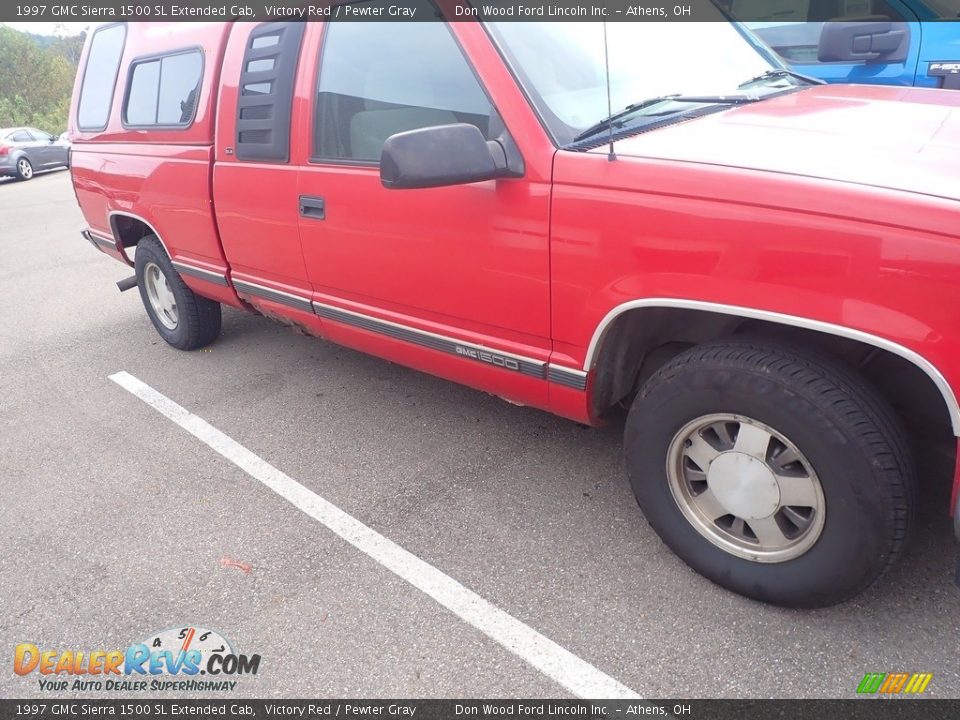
(573, 673)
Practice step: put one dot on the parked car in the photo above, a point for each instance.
(24, 151)
(889, 42)
(765, 270)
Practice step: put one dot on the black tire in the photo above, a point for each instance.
(198, 319)
(848, 433)
(21, 175)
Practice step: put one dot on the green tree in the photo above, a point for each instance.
(36, 82)
(68, 47)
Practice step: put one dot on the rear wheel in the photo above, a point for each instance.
(24, 169)
(183, 318)
(776, 474)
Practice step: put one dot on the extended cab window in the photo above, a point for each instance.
(100, 77)
(163, 90)
(380, 78)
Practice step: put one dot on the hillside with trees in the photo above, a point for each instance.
(36, 78)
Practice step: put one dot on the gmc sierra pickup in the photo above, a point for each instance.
(765, 270)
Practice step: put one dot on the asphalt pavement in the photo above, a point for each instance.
(116, 523)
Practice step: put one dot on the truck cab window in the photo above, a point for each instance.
(163, 90)
(946, 9)
(100, 77)
(380, 78)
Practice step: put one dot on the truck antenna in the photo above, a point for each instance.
(611, 156)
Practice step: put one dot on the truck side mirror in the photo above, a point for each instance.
(437, 156)
(871, 39)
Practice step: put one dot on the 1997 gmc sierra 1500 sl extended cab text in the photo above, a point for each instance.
(766, 270)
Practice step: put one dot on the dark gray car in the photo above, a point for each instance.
(25, 151)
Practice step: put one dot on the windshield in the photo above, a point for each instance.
(561, 65)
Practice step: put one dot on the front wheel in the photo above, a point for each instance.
(774, 473)
(183, 318)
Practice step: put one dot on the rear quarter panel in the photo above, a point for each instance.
(162, 176)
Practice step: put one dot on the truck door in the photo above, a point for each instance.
(829, 39)
(466, 263)
(254, 177)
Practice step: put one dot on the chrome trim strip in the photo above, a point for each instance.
(816, 325)
(137, 217)
(201, 273)
(297, 302)
(576, 379)
(442, 343)
(100, 241)
(102, 236)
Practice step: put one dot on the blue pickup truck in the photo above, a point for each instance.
(890, 42)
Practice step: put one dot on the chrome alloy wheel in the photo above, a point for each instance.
(25, 168)
(746, 488)
(161, 297)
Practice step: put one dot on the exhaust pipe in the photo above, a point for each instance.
(129, 283)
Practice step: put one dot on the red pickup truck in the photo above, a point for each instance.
(763, 269)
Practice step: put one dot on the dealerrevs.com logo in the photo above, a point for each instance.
(186, 658)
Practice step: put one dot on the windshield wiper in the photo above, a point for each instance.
(617, 118)
(781, 73)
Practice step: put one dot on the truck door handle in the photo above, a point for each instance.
(312, 207)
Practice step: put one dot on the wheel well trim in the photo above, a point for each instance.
(113, 228)
(949, 397)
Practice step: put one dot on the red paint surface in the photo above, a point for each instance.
(836, 204)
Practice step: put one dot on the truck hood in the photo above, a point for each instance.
(898, 138)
